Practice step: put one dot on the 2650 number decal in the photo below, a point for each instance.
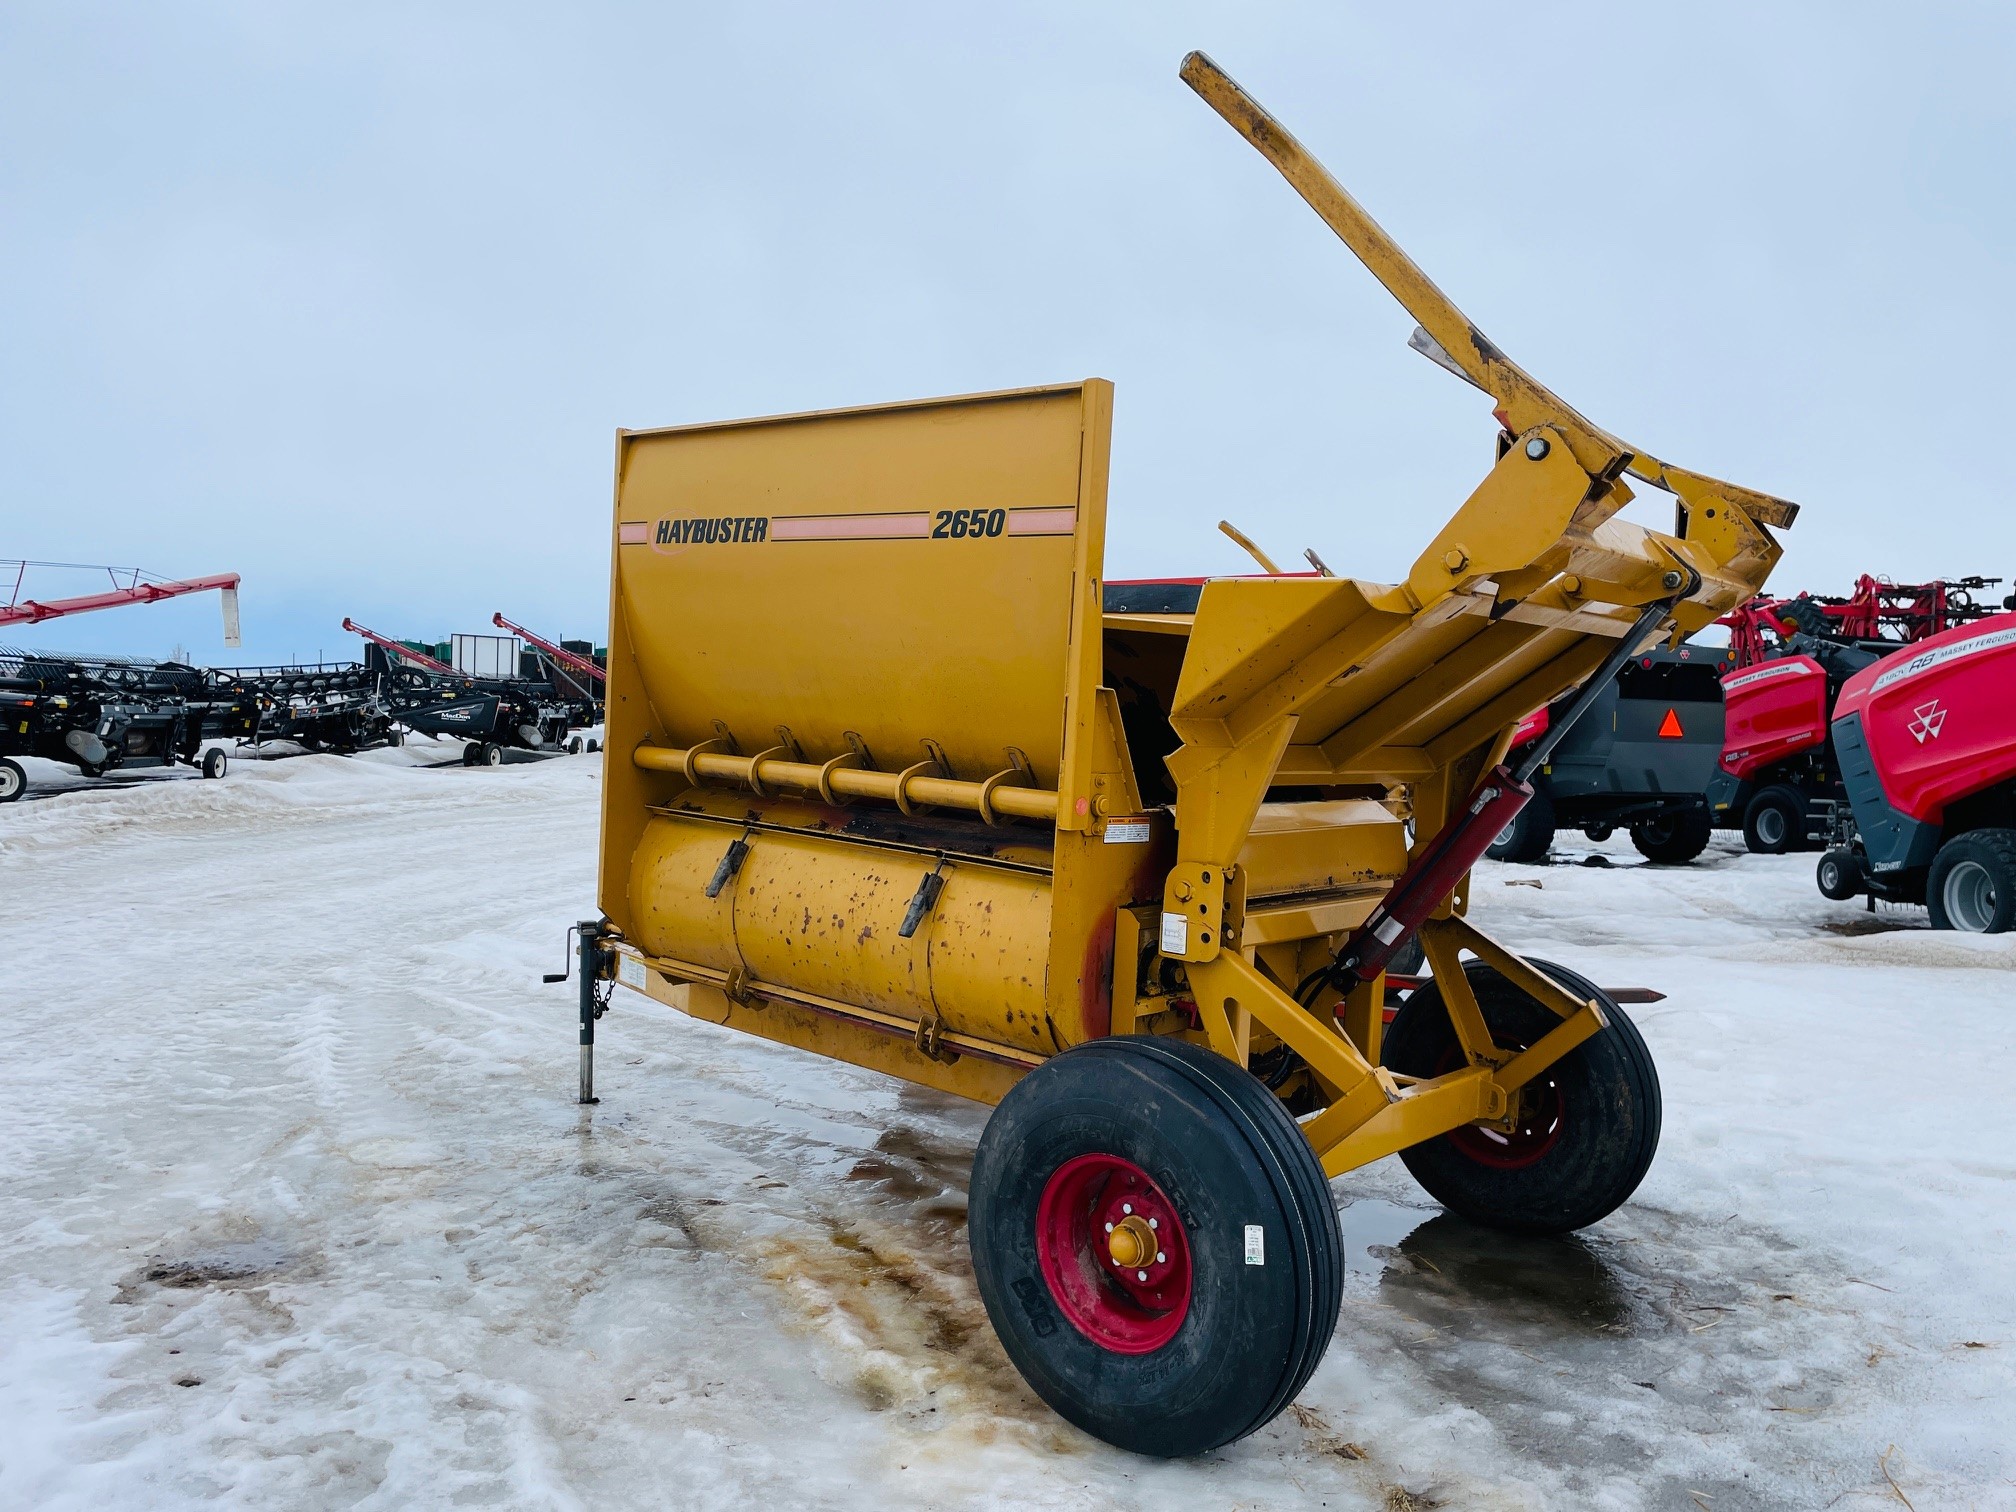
(957, 524)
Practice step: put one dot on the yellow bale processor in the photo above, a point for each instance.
(896, 776)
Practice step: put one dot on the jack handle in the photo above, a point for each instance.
(594, 958)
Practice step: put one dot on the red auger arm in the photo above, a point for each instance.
(404, 653)
(141, 588)
(566, 658)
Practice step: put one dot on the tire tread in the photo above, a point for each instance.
(1304, 1191)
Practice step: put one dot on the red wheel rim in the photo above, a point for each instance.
(1132, 1308)
(1541, 1113)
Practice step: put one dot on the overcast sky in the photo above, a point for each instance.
(351, 298)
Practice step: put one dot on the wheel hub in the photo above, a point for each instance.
(1132, 1242)
(1114, 1253)
(1970, 896)
(1522, 1139)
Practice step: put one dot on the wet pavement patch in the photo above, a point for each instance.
(223, 1265)
(1447, 1270)
(1589, 1351)
(925, 1176)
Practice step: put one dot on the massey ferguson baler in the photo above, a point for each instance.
(1927, 746)
(1779, 778)
(890, 781)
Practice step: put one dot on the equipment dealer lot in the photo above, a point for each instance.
(323, 1162)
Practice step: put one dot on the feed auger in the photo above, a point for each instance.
(897, 778)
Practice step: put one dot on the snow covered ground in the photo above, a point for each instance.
(299, 1211)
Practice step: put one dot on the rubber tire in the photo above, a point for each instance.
(1598, 833)
(1527, 838)
(1227, 1153)
(489, 754)
(1411, 959)
(13, 780)
(594, 746)
(1594, 1166)
(215, 763)
(1839, 875)
(1790, 807)
(1994, 849)
(574, 746)
(1675, 837)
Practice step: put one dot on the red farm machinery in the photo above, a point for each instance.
(1780, 780)
(1926, 743)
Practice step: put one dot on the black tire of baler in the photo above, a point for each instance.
(1993, 848)
(1420, 1037)
(1134, 1091)
(1793, 804)
(1847, 872)
(1411, 959)
(1532, 831)
(1675, 837)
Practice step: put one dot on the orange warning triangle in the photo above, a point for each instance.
(1670, 729)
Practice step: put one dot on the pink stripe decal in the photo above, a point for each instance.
(865, 527)
(1042, 521)
(633, 533)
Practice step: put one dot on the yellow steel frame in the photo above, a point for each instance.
(1373, 1112)
(1540, 530)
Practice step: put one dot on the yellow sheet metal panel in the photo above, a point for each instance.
(904, 572)
(669, 875)
(823, 915)
(1319, 847)
(971, 1076)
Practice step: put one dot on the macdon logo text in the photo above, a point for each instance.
(708, 532)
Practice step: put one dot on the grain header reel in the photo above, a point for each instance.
(896, 779)
(488, 714)
(100, 714)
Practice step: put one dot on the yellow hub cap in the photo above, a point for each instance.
(1132, 1242)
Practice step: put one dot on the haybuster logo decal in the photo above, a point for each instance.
(978, 523)
(712, 532)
